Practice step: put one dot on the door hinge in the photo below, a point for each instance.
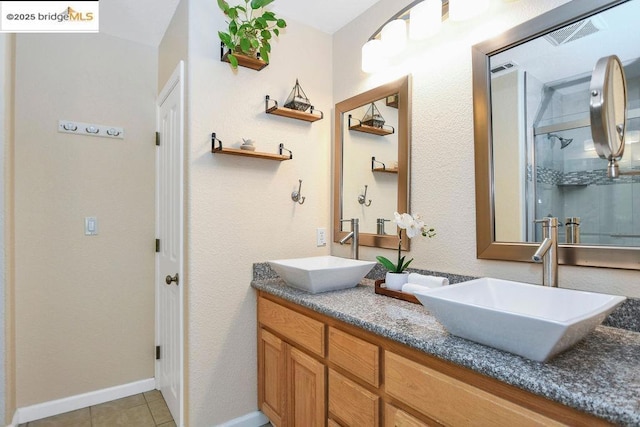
(157, 138)
(157, 352)
(157, 245)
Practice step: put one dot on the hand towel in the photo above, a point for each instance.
(428, 281)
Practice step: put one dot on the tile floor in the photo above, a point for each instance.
(140, 410)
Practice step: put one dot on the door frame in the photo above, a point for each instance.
(176, 80)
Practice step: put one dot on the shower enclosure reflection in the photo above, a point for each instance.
(553, 170)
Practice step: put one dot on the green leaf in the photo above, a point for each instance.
(269, 16)
(386, 263)
(264, 54)
(281, 23)
(266, 34)
(233, 28)
(257, 4)
(255, 43)
(266, 45)
(241, 8)
(263, 22)
(276, 31)
(223, 5)
(245, 45)
(406, 264)
(233, 60)
(225, 38)
(232, 12)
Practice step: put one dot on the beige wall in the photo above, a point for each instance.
(173, 47)
(240, 209)
(84, 305)
(443, 191)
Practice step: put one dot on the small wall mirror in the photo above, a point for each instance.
(608, 111)
(371, 163)
(535, 153)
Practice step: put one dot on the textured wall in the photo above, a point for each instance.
(239, 210)
(442, 141)
(84, 305)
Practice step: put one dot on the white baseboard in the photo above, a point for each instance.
(71, 403)
(252, 419)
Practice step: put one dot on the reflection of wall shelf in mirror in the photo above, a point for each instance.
(243, 60)
(381, 131)
(383, 168)
(246, 153)
(310, 116)
(572, 185)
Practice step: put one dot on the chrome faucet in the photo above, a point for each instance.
(547, 252)
(354, 235)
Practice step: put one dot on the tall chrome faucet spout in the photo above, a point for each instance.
(354, 235)
(547, 252)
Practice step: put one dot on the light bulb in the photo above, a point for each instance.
(394, 36)
(374, 57)
(461, 10)
(425, 19)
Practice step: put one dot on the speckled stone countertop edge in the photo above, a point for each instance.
(465, 353)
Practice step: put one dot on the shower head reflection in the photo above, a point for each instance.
(564, 142)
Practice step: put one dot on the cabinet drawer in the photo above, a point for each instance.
(451, 401)
(356, 356)
(302, 330)
(350, 403)
(394, 417)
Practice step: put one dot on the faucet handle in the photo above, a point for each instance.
(549, 221)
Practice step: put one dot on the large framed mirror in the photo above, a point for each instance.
(371, 163)
(534, 152)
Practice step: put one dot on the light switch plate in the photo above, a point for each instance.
(321, 237)
(91, 226)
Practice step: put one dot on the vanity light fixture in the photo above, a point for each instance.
(424, 18)
(462, 10)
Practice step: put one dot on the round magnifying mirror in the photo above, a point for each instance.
(608, 108)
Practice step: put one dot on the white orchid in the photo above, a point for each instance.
(414, 225)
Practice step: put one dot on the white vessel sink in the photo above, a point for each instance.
(322, 273)
(532, 321)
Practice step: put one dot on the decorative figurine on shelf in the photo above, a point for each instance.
(247, 144)
(373, 117)
(297, 99)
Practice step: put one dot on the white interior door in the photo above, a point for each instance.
(169, 229)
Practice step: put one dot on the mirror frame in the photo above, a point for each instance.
(486, 245)
(402, 87)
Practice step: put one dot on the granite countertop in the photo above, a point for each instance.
(600, 375)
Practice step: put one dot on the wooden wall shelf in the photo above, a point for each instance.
(248, 153)
(291, 113)
(243, 60)
(383, 170)
(371, 130)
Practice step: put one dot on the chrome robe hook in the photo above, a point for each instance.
(362, 199)
(295, 196)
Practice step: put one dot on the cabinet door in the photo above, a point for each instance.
(306, 383)
(350, 403)
(271, 376)
(394, 417)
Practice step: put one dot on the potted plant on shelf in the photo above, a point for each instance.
(414, 226)
(250, 30)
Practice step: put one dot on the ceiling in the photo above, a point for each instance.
(132, 20)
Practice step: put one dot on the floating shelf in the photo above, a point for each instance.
(247, 153)
(385, 170)
(359, 127)
(290, 112)
(243, 60)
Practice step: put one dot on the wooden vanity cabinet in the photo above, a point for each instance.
(314, 370)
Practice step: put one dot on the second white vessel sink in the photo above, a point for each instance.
(322, 273)
(532, 321)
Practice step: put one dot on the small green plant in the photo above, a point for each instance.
(414, 226)
(250, 29)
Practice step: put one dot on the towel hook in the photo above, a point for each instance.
(295, 196)
(363, 197)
